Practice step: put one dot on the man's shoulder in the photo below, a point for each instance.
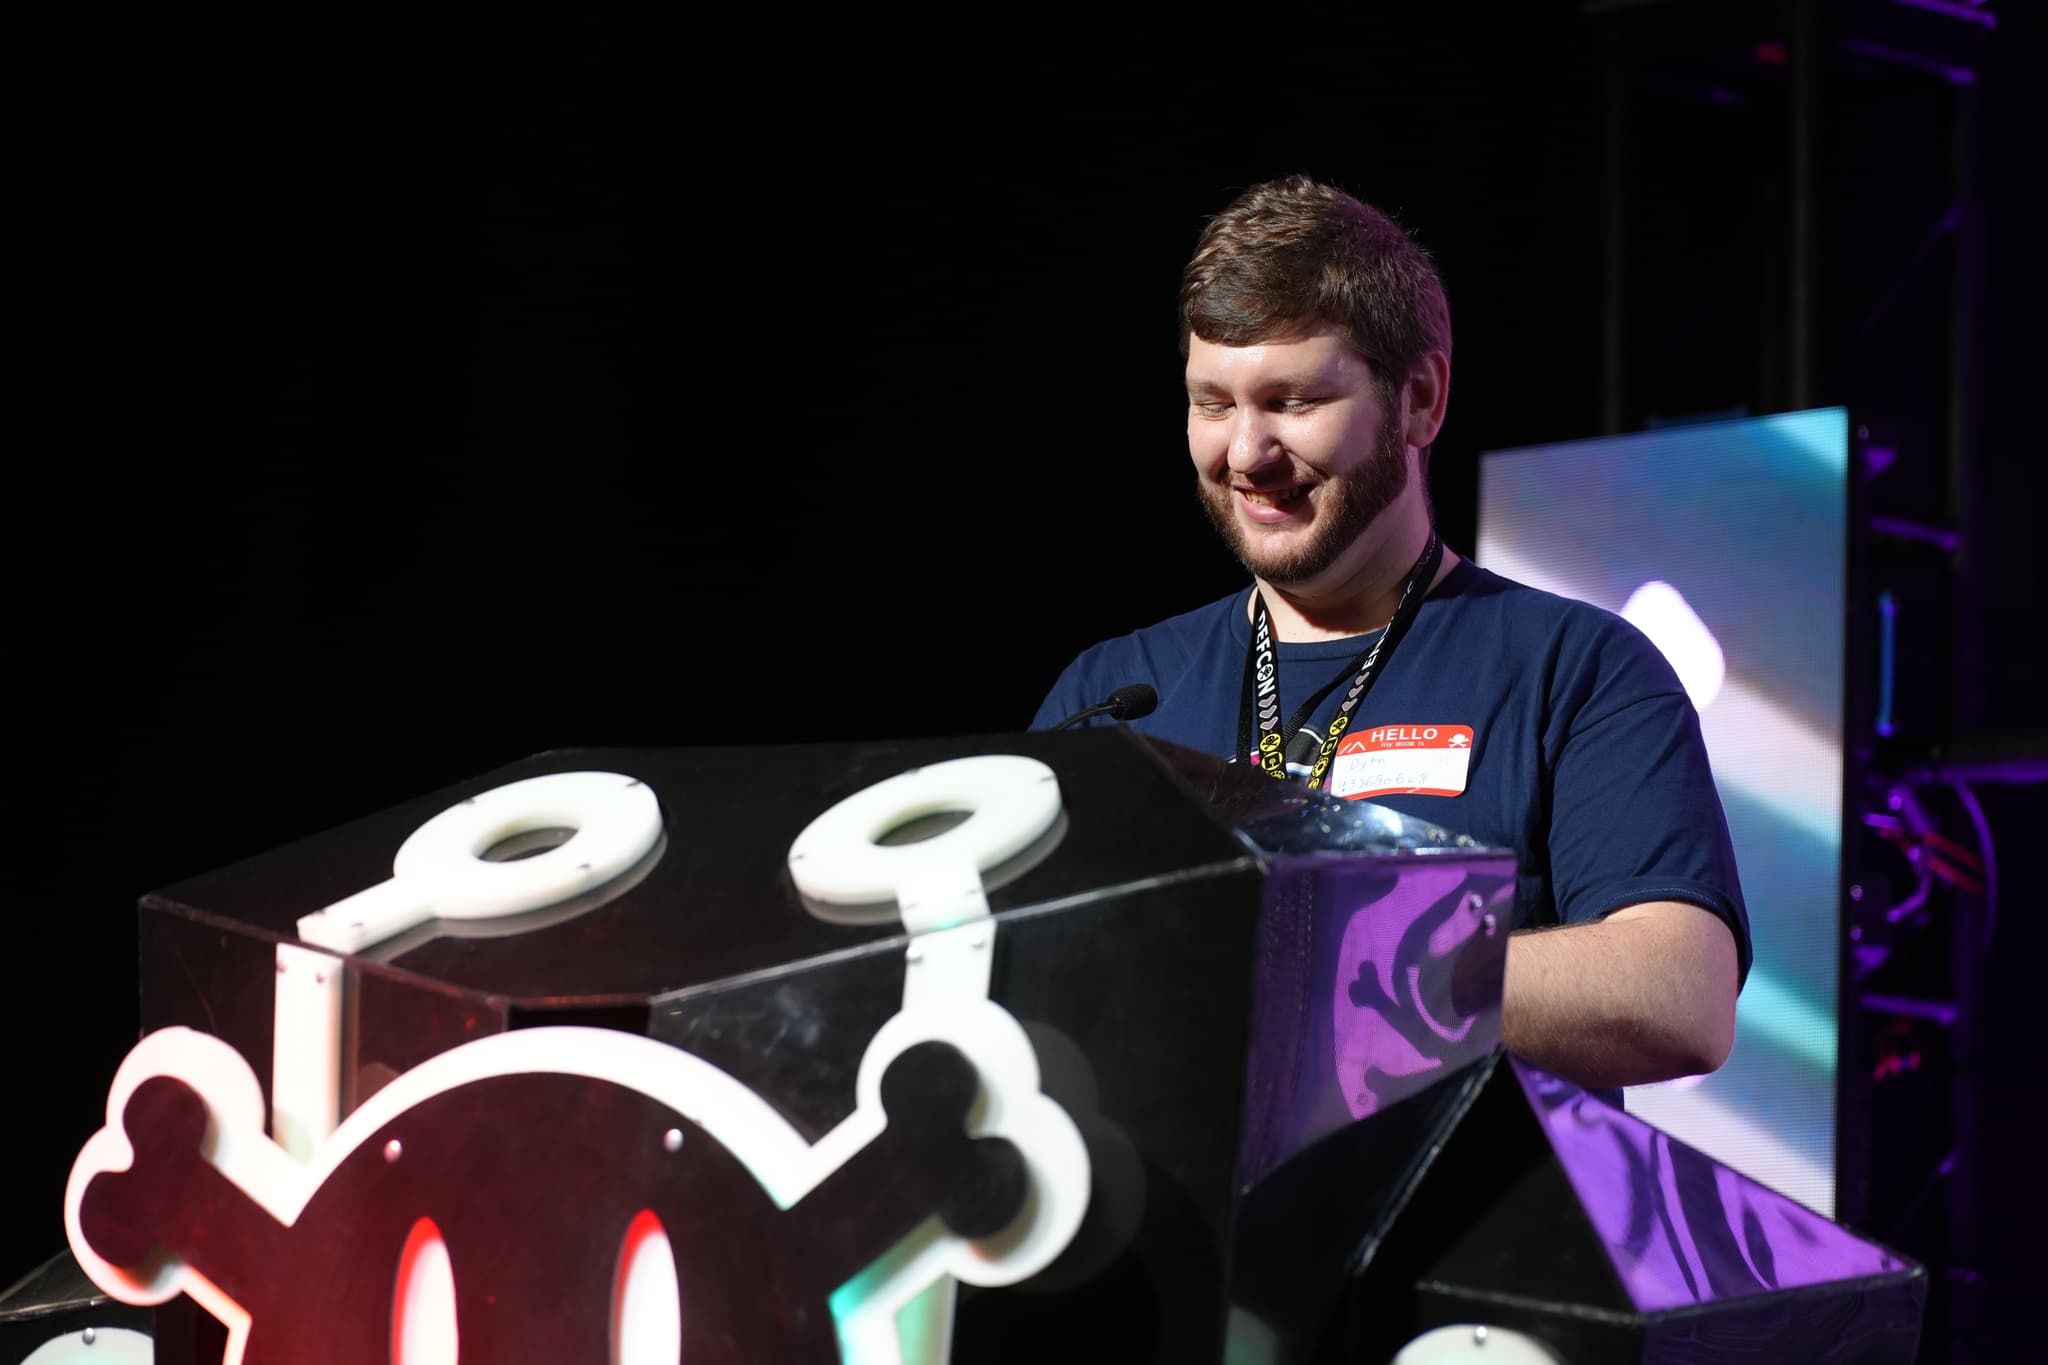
(1521, 609)
(1158, 653)
(1488, 609)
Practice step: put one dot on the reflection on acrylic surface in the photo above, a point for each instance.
(1680, 1227)
(1377, 976)
(1412, 986)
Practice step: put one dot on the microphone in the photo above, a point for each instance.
(1128, 702)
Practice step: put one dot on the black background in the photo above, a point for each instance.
(397, 404)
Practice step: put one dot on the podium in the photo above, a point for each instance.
(985, 1049)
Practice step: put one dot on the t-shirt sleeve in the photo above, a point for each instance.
(1634, 812)
(1070, 693)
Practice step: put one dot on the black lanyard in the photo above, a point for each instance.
(1261, 708)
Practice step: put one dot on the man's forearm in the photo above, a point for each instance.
(1646, 994)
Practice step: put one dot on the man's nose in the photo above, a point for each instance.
(1253, 441)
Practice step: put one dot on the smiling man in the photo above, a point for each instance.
(1368, 660)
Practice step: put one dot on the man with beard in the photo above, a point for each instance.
(1370, 661)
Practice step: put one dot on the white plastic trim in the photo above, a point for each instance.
(305, 1054)
(950, 957)
(1054, 1155)
(953, 962)
(739, 1119)
(440, 872)
(1012, 801)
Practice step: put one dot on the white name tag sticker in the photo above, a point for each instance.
(1402, 760)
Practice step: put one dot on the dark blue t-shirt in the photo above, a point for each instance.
(1584, 753)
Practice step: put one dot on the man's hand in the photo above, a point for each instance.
(1646, 994)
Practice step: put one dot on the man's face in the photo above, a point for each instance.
(1295, 452)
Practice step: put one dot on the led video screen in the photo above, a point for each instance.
(1726, 543)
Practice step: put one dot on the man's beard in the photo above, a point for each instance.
(1346, 506)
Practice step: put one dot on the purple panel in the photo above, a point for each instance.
(1378, 975)
(1681, 1228)
(1394, 1020)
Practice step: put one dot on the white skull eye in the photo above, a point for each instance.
(423, 1301)
(647, 1316)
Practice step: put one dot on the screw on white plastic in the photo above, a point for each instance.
(1475, 1344)
(108, 1346)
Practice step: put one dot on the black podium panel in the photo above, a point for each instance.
(1196, 1067)
(1123, 942)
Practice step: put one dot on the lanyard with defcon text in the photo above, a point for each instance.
(1262, 677)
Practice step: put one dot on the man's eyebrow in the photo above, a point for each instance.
(1306, 380)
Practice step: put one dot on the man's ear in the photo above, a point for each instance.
(1426, 395)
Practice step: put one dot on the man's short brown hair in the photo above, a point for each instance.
(1290, 251)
